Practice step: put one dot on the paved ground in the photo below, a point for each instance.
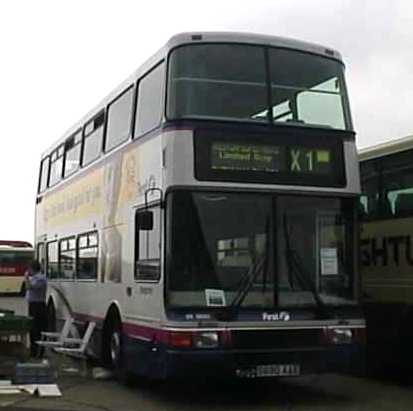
(327, 392)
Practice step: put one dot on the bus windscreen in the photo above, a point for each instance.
(258, 85)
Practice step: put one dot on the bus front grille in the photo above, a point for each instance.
(266, 339)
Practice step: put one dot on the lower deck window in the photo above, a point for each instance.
(67, 258)
(87, 258)
(52, 270)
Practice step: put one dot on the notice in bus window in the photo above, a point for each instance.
(329, 263)
(215, 298)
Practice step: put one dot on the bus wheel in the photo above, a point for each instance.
(115, 347)
(51, 317)
(112, 345)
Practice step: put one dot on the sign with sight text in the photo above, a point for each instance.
(269, 159)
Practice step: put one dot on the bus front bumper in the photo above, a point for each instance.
(349, 359)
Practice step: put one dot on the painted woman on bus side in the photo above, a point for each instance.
(111, 249)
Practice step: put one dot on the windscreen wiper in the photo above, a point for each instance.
(248, 280)
(295, 266)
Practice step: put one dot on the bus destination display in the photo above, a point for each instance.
(227, 156)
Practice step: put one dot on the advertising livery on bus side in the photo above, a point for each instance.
(204, 214)
(386, 211)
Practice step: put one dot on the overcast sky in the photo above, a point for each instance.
(60, 58)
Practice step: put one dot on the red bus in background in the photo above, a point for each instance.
(15, 259)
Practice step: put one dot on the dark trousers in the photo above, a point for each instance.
(37, 310)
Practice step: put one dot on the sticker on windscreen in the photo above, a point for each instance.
(215, 298)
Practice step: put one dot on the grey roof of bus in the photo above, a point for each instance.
(191, 38)
(388, 147)
(250, 38)
(17, 249)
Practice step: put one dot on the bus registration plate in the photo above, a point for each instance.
(270, 370)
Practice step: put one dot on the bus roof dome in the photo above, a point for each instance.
(251, 38)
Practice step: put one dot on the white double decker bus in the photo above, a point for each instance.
(204, 214)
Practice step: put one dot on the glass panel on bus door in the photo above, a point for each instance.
(119, 120)
(52, 270)
(149, 107)
(219, 81)
(148, 249)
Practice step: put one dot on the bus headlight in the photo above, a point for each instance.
(340, 335)
(206, 339)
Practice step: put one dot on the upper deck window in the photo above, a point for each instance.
(92, 145)
(56, 166)
(217, 81)
(44, 174)
(387, 186)
(149, 105)
(230, 82)
(119, 120)
(306, 89)
(72, 153)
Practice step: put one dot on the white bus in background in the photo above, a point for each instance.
(204, 213)
(386, 210)
(15, 259)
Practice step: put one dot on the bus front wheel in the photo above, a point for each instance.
(115, 347)
(51, 317)
(112, 348)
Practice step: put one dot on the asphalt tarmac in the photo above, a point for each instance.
(325, 392)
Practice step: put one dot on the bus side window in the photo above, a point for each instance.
(40, 255)
(369, 207)
(87, 256)
(52, 270)
(56, 166)
(44, 174)
(67, 258)
(73, 147)
(119, 119)
(397, 183)
(404, 204)
(149, 104)
(93, 134)
(148, 249)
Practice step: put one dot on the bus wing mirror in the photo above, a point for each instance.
(145, 220)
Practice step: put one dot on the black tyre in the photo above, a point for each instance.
(113, 349)
(51, 317)
(115, 345)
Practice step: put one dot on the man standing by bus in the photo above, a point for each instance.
(36, 285)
